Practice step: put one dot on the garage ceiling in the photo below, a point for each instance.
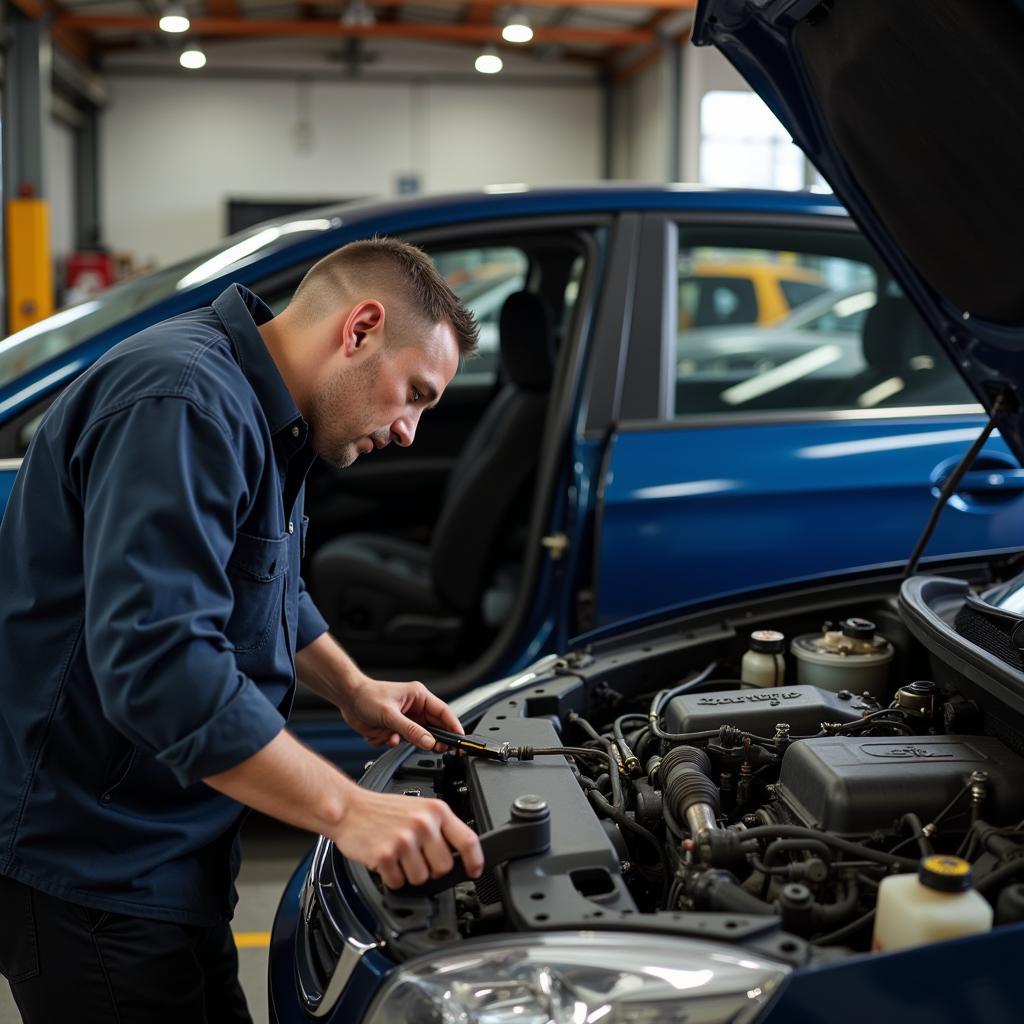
(600, 38)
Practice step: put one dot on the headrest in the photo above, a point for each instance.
(894, 334)
(527, 342)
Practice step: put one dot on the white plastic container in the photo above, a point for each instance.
(765, 663)
(935, 904)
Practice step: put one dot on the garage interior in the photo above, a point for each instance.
(137, 133)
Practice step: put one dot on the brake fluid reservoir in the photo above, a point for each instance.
(853, 657)
(935, 904)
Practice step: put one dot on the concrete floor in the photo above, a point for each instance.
(270, 854)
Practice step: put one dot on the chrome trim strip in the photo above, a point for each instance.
(351, 954)
(10, 465)
(929, 412)
(356, 940)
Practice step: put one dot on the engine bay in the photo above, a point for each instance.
(688, 800)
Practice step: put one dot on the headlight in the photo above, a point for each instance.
(563, 978)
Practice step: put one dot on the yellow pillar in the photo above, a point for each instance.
(29, 268)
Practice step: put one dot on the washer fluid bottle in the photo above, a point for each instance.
(765, 663)
(935, 904)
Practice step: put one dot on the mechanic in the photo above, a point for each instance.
(150, 607)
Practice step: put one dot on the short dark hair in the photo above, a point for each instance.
(401, 271)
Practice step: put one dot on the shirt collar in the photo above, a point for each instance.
(242, 313)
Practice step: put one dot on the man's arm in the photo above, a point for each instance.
(402, 838)
(326, 669)
(380, 711)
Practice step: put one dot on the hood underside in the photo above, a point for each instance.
(912, 112)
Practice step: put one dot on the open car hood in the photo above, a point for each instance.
(912, 112)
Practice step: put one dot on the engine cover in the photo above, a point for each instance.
(802, 708)
(852, 784)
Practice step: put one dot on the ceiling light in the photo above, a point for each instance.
(193, 58)
(174, 19)
(517, 28)
(488, 63)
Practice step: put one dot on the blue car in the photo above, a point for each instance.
(585, 469)
(805, 802)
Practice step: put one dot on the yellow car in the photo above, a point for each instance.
(715, 294)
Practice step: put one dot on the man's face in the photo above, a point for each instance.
(379, 397)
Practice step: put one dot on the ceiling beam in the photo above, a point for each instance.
(67, 39)
(644, 61)
(222, 8)
(478, 13)
(652, 24)
(261, 28)
(666, 5)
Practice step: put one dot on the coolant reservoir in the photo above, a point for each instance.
(935, 904)
(853, 657)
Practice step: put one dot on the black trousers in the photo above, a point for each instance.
(66, 962)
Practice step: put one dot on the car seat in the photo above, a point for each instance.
(395, 602)
(904, 360)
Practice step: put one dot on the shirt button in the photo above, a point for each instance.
(291, 527)
(295, 431)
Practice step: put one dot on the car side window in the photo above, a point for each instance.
(790, 331)
(483, 277)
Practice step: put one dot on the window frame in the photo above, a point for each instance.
(648, 400)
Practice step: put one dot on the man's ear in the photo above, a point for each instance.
(362, 326)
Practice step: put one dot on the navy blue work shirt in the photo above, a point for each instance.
(150, 611)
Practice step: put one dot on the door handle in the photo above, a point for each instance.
(995, 479)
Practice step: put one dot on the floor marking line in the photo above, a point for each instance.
(252, 940)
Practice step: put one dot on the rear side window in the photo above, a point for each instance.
(786, 330)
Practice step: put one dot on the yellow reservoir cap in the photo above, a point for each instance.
(945, 873)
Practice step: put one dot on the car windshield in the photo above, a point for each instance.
(34, 345)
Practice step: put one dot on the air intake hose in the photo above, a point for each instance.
(688, 789)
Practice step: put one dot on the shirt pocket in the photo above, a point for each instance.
(256, 570)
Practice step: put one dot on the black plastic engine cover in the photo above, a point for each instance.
(853, 784)
(803, 708)
(580, 876)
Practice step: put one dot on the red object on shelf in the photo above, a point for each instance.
(90, 271)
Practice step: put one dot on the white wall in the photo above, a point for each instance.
(642, 127)
(174, 149)
(59, 167)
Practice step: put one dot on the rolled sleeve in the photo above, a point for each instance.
(311, 623)
(162, 487)
(239, 729)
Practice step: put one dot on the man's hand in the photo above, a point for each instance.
(402, 837)
(405, 838)
(385, 712)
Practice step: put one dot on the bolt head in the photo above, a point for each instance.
(529, 805)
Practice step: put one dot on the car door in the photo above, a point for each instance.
(749, 453)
